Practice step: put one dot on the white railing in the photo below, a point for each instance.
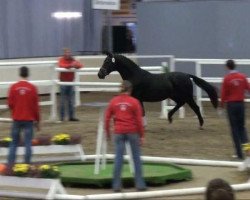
(38, 83)
(114, 86)
(53, 82)
(198, 72)
(102, 86)
(37, 65)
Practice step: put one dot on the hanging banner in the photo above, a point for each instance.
(106, 4)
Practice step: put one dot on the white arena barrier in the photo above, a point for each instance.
(30, 188)
(47, 153)
(160, 193)
(148, 194)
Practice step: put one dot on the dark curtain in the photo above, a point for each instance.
(93, 21)
(28, 30)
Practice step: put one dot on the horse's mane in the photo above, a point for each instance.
(127, 62)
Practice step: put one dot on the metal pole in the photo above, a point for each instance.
(198, 89)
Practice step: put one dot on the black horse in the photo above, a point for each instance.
(157, 87)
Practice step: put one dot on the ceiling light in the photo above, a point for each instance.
(66, 15)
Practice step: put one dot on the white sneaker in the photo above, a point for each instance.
(242, 167)
(144, 121)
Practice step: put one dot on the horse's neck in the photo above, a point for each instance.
(128, 72)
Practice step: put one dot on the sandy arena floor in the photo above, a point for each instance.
(180, 139)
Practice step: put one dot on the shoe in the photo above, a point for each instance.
(235, 157)
(242, 167)
(117, 190)
(74, 120)
(142, 189)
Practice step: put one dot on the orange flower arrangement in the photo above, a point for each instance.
(3, 169)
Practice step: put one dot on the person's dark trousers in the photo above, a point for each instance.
(133, 140)
(67, 98)
(17, 127)
(236, 116)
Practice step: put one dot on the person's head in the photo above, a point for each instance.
(230, 64)
(24, 72)
(219, 189)
(67, 53)
(126, 86)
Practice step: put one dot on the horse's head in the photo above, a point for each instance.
(108, 66)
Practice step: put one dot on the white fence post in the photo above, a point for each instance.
(77, 90)
(53, 96)
(172, 64)
(164, 104)
(198, 89)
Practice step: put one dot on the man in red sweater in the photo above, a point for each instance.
(233, 93)
(23, 102)
(67, 91)
(127, 114)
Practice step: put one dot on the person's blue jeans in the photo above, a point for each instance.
(17, 127)
(133, 140)
(236, 116)
(67, 98)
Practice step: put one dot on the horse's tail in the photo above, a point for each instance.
(210, 89)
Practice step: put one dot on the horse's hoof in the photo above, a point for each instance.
(201, 128)
(170, 121)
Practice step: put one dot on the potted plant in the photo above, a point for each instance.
(246, 149)
(5, 142)
(20, 169)
(48, 171)
(61, 139)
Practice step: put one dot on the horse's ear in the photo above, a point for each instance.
(109, 54)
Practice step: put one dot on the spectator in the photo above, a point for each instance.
(233, 93)
(67, 91)
(219, 189)
(23, 102)
(127, 114)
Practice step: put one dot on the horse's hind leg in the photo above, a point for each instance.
(171, 112)
(143, 114)
(196, 109)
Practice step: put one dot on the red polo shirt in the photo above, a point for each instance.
(233, 87)
(127, 114)
(23, 101)
(67, 64)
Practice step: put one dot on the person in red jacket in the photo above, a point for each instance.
(233, 93)
(23, 102)
(67, 91)
(127, 114)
